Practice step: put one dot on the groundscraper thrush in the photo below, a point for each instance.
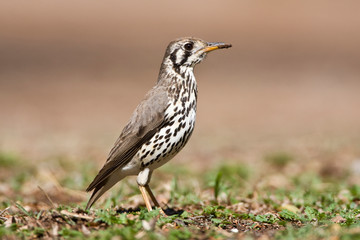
(161, 124)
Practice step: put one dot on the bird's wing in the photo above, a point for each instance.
(147, 118)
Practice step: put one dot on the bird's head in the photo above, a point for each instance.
(187, 52)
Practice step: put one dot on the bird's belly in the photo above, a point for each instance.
(166, 143)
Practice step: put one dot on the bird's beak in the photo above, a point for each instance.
(216, 45)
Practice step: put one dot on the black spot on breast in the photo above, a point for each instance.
(168, 136)
(184, 139)
(179, 142)
(182, 118)
(187, 84)
(172, 117)
(144, 156)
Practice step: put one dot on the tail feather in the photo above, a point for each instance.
(102, 188)
(98, 192)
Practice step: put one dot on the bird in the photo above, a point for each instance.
(161, 124)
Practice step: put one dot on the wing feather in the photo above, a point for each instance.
(146, 120)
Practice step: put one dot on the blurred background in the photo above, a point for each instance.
(71, 73)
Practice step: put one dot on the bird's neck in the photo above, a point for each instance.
(179, 83)
(169, 70)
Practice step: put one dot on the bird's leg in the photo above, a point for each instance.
(148, 189)
(146, 198)
(143, 179)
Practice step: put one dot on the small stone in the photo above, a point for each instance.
(338, 219)
(85, 230)
(149, 225)
(290, 208)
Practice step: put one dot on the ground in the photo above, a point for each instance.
(286, 199)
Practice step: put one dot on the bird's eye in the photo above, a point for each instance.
(189, 46)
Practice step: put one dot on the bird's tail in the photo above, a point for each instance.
(100, 190)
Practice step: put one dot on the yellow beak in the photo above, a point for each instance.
(217, 45)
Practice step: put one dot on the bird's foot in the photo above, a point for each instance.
(162, 212)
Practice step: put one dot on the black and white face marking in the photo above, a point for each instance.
(186, 53)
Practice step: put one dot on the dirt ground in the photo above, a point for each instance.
(70, 76)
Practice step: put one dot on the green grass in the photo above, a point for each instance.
(228, 201)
